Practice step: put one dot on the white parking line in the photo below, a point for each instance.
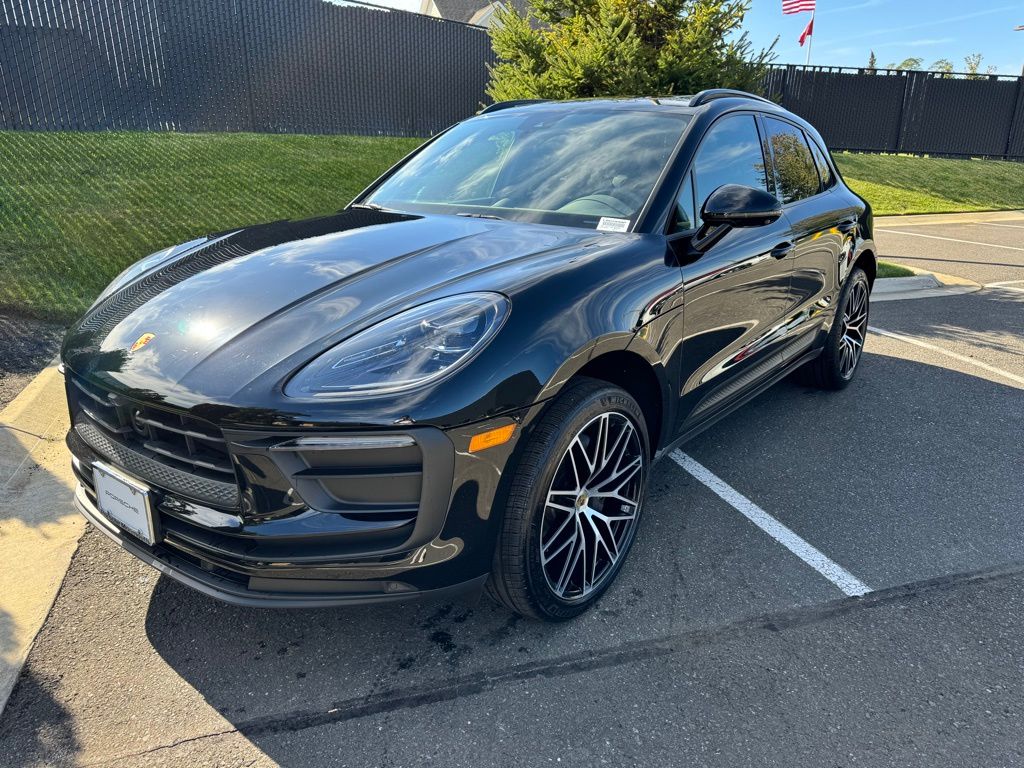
(950, 239)
(1006, 285)
(993, 224)
(955, 355)
(831, 570)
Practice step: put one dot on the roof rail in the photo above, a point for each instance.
(500, 105)
(724, 93)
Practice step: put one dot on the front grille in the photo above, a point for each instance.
(172, 450)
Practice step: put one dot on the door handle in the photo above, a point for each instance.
(848, 226)
(782, 250)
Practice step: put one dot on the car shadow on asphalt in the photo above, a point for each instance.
(269, 672)
(897, 477)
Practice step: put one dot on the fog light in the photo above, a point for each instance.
(491, 438)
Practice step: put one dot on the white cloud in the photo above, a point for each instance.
(920, 43)
(948, 20)
(858, 6)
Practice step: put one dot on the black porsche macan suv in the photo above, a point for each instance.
(462, 379)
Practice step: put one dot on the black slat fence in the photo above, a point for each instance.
(935, 113)
(303, 66)
(335, 66)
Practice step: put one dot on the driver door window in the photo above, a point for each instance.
(685, 216)
(730, 154)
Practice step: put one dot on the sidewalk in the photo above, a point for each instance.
(39, 527)
(917, 219)
(923, 285)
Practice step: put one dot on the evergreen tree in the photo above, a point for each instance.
(560, 49)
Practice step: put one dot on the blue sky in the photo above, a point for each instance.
(847, 30)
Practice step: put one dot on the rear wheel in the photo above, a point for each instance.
(835, 367)
(574, 503)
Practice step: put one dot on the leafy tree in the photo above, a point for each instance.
(972, 63)
(911, 64)
(562, 49)
(942, 65)
(872, 62)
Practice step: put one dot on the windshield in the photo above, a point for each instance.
(580, 168)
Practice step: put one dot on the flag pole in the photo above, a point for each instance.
(810, 39)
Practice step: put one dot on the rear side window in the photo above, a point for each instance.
(730, 154)
(796, 175)
(824, 169)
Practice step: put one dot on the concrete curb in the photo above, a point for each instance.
(923, 285)
(39, 527)
(918, 219)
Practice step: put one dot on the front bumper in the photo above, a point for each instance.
(301, 556)
(311, 514)
(272, 592)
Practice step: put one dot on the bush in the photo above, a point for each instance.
(561, 49)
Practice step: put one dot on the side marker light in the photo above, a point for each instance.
(491, 438)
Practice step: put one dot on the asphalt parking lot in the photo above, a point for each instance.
(736, 634)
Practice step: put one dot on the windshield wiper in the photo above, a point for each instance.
(480, 215)
(469, 214)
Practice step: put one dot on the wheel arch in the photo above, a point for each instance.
(635, 374)
(867, 261)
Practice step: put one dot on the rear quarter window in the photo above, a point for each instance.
(828, 178)
(796, 174)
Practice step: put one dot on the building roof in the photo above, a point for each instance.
(466, 10)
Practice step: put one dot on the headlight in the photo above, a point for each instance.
(408, 350)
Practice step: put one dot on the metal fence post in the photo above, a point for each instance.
(902, 120)
(1018, 103)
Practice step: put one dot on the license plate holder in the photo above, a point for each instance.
(124, 501)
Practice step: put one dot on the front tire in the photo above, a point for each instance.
(835, 367)
(574, 503)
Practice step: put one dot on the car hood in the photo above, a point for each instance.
(207, 323)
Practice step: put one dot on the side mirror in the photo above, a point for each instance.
(734, 205)
(737, 206)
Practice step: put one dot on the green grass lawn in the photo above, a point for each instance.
(76, 208)
(885, 269)
(895, 184)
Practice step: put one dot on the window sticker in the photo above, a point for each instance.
(607, 224)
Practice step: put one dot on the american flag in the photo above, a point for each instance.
(797, 6)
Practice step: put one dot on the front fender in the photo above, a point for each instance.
(630, 356)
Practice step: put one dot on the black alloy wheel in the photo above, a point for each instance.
(574, 505)
(840, 357)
